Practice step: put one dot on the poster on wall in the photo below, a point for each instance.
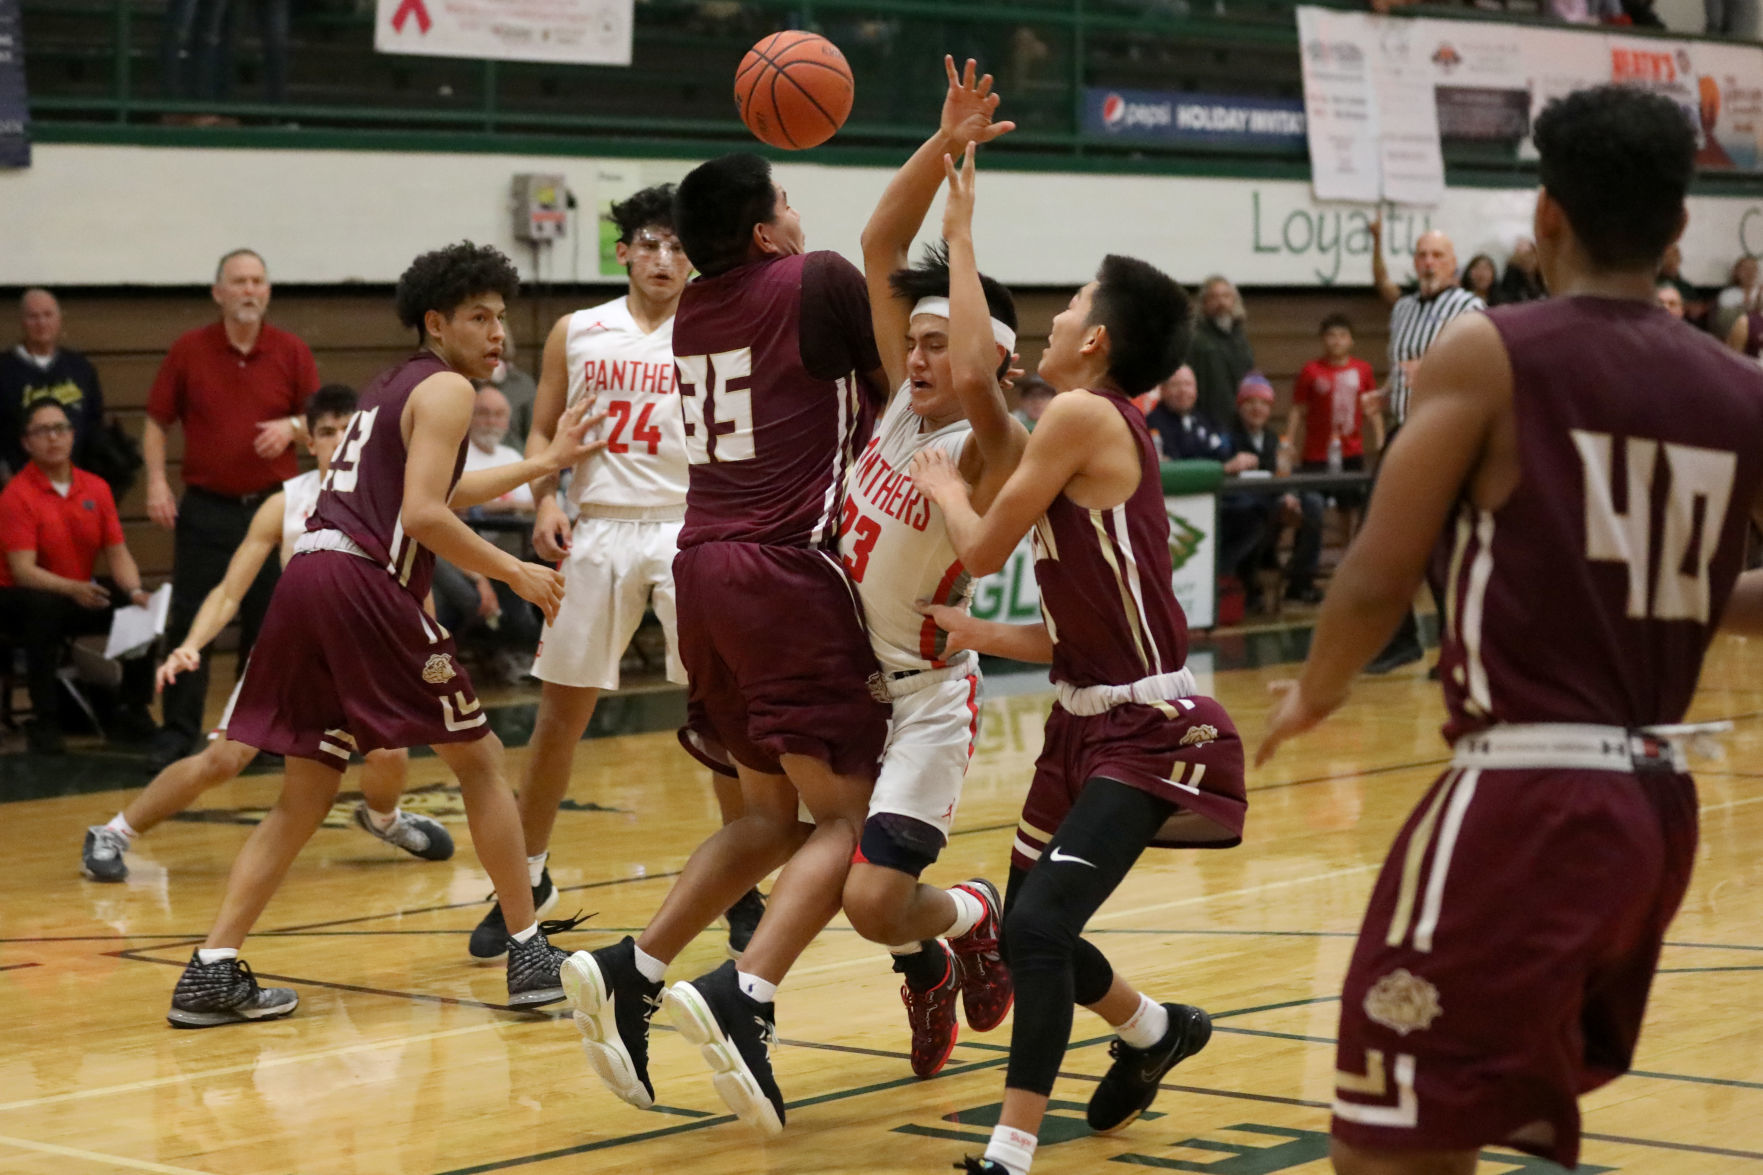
(575, 32)
(15, 116)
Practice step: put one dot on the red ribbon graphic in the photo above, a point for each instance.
(407, 10)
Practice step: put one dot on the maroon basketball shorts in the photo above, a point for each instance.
(348, 661)
(777, 657)
(1503, 966)
(1177, 747)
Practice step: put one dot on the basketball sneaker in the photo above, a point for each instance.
(489, 941)
(735, 1033)
(987, 990)
(226, 992)
(931, 1015)
(743, 919)
(613, 1005)
(101, 858)
(417, 835)
(975, 1166)
(535, 966)
(1130, 1085)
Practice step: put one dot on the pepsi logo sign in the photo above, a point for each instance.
(1119, 114)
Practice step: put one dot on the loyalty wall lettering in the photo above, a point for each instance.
(1332, 234)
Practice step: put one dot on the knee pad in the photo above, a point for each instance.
(899, 842)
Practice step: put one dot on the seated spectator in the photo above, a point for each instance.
(55, 519)
(1326, 427)
(1182, 434)
(1033, 394)
(1746, 335)
(1480, 276)
(520, 388)
(40, 366)
(1523, 279)
(1695, 308)
(1669, 299)
(1741, 294)
(1250, 525)
(490, 417)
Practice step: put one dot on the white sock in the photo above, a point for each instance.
(968, 912)
(382, 820)
(649, 967)
(535, 866)
(120, 825)
(216, 954)
(758, 989)
(1146, 1026)
(906, 948)
(1013, 1148)
(527, 934)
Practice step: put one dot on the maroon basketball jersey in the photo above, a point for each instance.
(1591, 594)
(1107, 587)
(363, 495)
(772, 359)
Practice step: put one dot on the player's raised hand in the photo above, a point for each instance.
(969, 105)
(958, 205)
(936, 475)
(1292, 715)
(1013, 373)
(182, 659)
(957, 622)
(539, 586)
(551, 530)
(570, 444)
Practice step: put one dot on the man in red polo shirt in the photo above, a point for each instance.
(54, 520)
(237, 387)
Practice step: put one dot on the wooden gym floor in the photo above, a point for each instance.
(400, 1059)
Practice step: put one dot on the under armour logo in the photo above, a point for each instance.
(409, 9)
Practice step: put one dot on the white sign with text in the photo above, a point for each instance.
(578, 32)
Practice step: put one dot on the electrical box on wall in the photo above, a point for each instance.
(541, 207)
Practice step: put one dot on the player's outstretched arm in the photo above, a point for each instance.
(568, 446)
(551, 526)
(974, 354)
(1463, 387)
(263, 539)
(1065, 440)
(435, 421)
(1017, 642)
(887, 238)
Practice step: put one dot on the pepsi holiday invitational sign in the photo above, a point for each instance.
(1215, 120)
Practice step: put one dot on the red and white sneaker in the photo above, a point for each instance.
(931, 1015)
(987, 990)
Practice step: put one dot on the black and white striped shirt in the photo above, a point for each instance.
(1414, 323)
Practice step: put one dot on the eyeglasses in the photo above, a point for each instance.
(49, 430)
(649, 243)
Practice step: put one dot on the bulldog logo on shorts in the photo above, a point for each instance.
(1403, 1002)
(439, 670)
(1203, 733)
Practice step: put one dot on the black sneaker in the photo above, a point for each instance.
(1130, 1085)
(613, 1005)
(743, 919)
(226, 992)
(101, 858)
(534, 966)
(419, 836)
(735, 1033)
(975, 1166)
(489, 941)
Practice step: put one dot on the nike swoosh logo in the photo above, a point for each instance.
(1061, 856)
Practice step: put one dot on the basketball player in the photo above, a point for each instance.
(778, 380)
(618, 558)
(1586, 533)
(1133, 757)
(279, 521)
(895, 548)
(359, 664)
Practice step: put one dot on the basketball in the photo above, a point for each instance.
(794, 90)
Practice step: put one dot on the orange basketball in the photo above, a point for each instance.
(794, 90)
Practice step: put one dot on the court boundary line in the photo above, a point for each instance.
(70, 1152)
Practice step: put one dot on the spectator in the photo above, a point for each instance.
(520, 388)
(196, 51)
(236, 387)
(1219, 353)
(1480, 276)
(1740, 295)
(1250, 525)
(488, 449)
(1033, 394)
(1668, 298)
(40, 366)
(1182, 433)
(1730, 18)
(1326, 427)
(1746, 335)
(1523, 279)
(1671, 271)
(54, 520)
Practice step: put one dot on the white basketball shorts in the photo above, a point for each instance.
(930, 741)
(616, 569)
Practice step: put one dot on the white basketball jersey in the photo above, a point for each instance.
(644, 461)
(894, 544)
(299, 500)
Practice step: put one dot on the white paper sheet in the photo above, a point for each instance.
(134, 628)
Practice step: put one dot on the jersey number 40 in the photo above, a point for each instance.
(717, 402)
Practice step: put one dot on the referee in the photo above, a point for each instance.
(1415, 321)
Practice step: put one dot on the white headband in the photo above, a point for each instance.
(1001, 334)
